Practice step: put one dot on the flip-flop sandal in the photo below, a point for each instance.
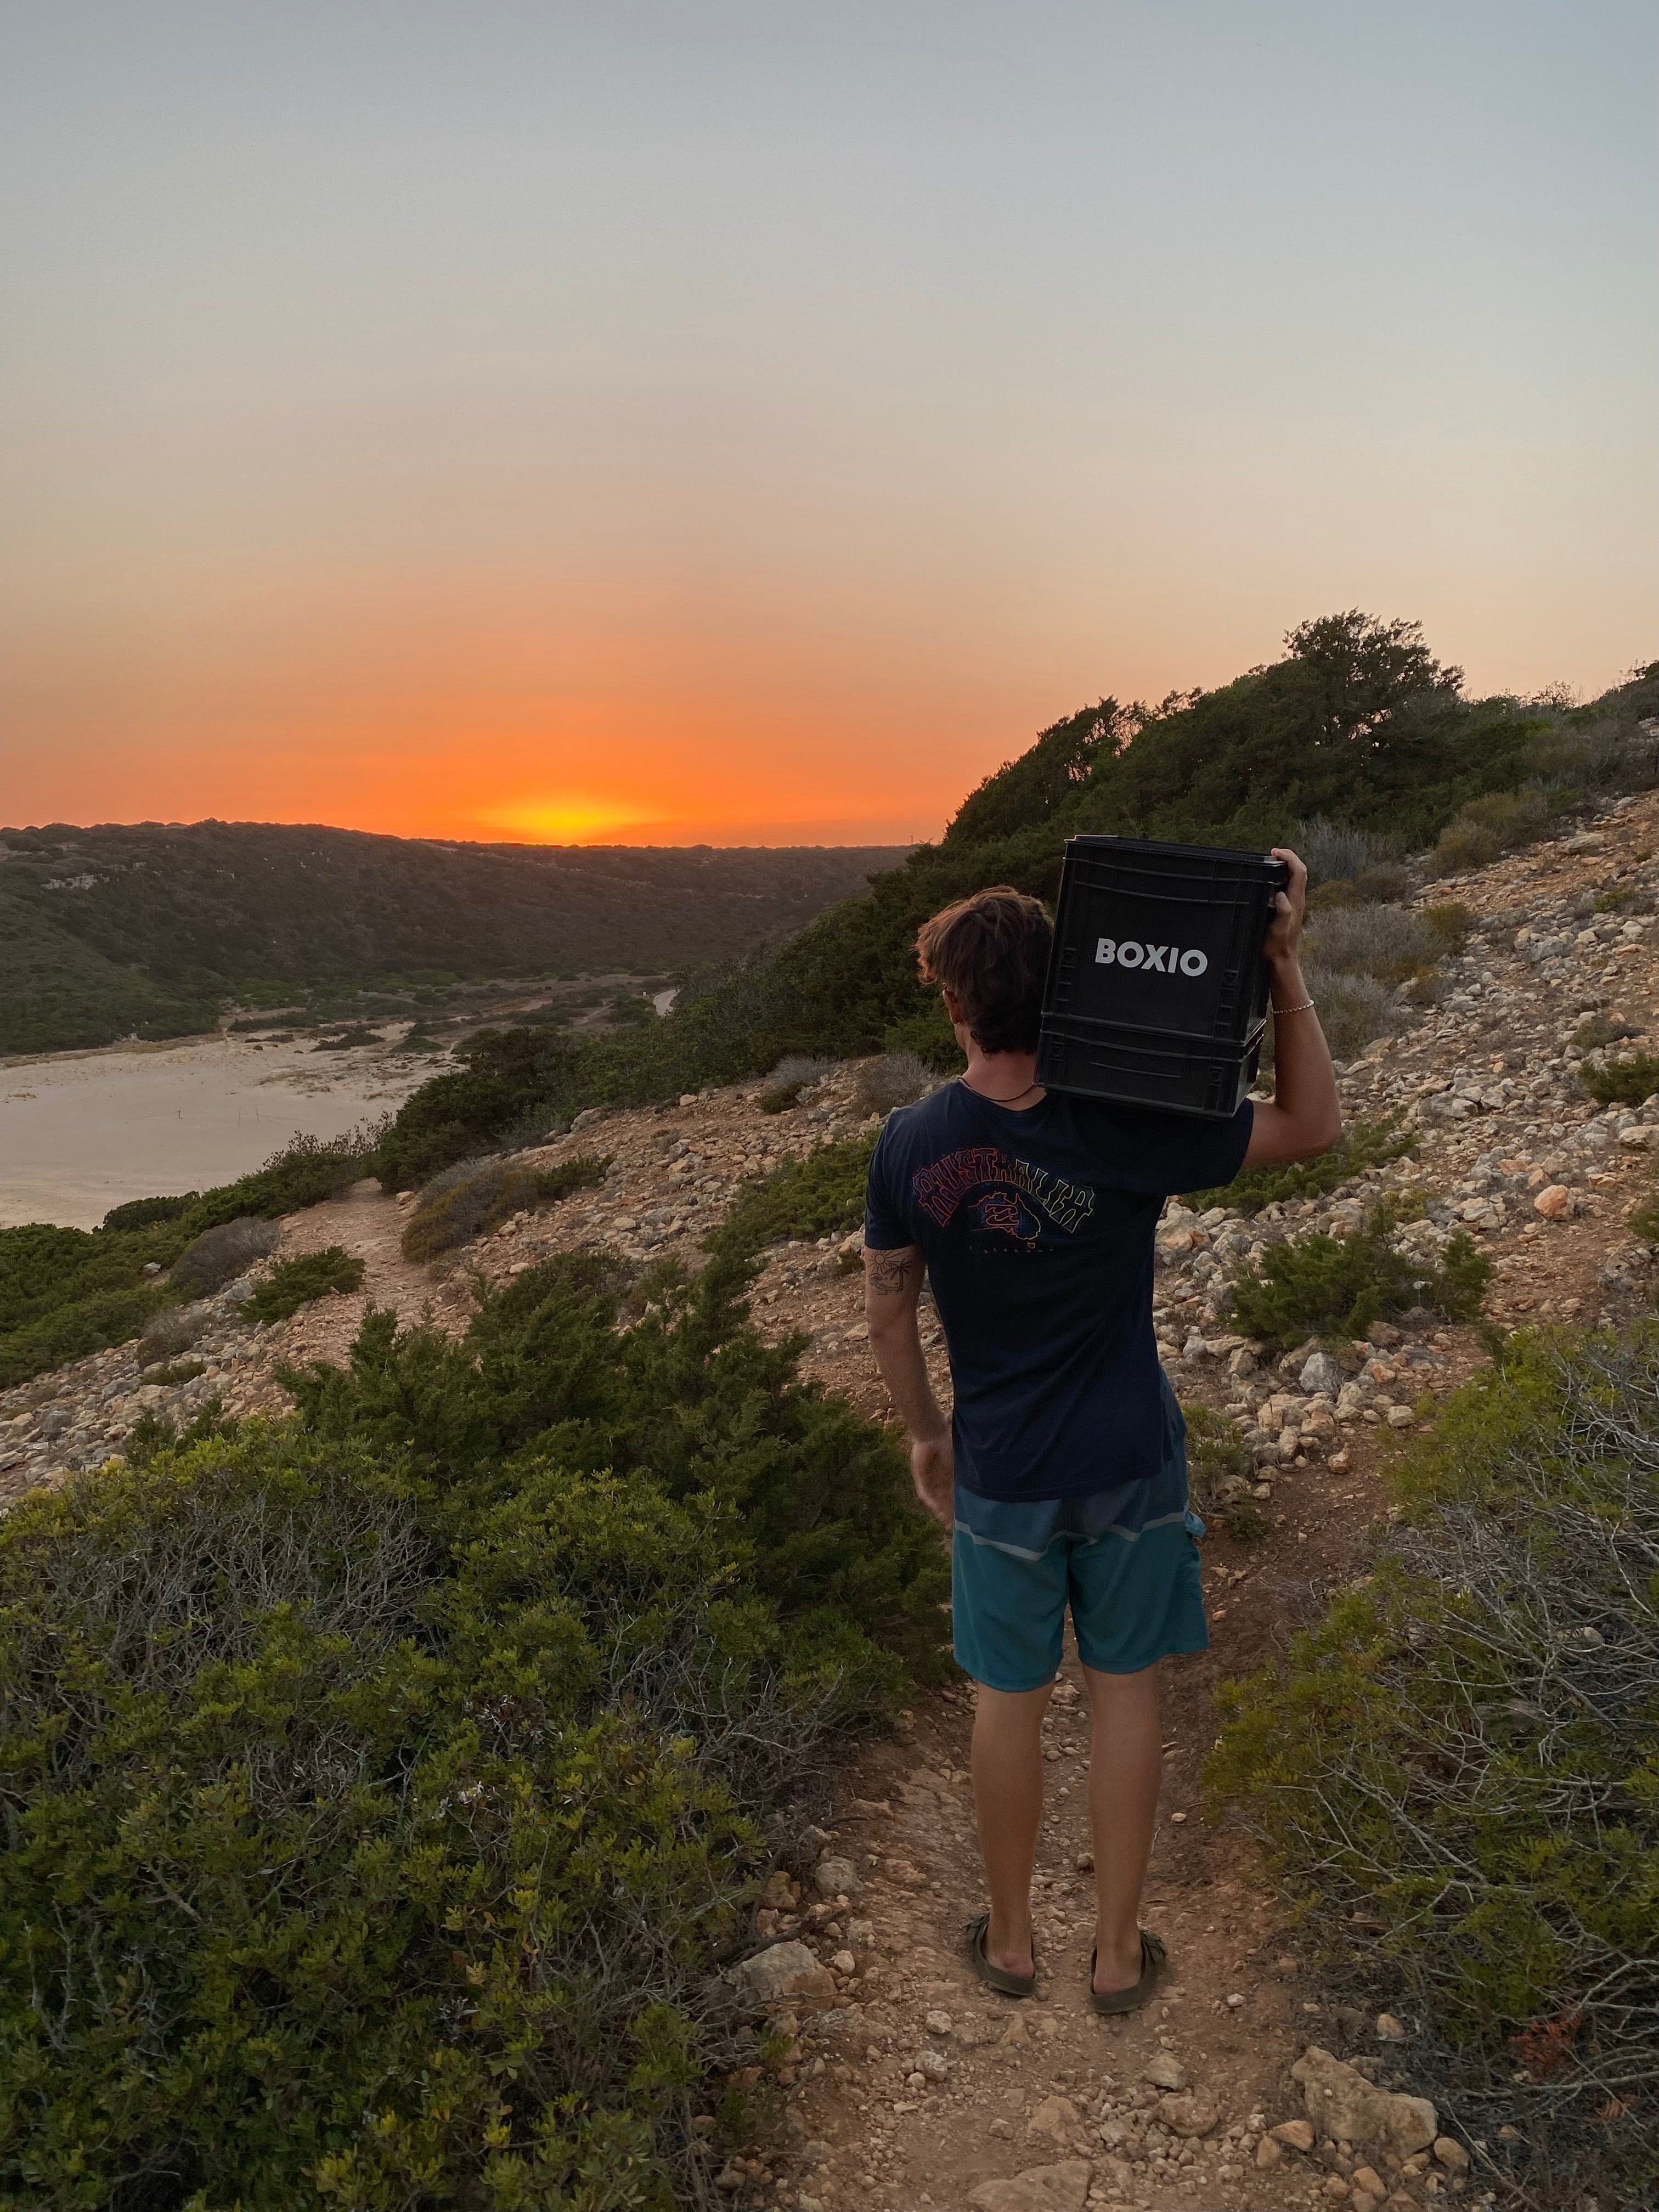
(1153, 1958)
(1007, 1984)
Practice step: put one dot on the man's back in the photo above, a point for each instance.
(1037, 1228)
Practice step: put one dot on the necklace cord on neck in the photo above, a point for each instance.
(992, 1101)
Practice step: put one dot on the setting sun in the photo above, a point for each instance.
(566, 821)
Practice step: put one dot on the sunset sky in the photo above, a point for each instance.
(664, 422)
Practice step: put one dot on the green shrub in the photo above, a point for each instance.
(1454, 1772)
(813, 1196)
(1449, 924)
(348, 1040)
(174, 1371)
(1362, 1144)
(1221, 1474)
(687, 1392)
(1462, 848)
(1596, 1029)
(153, 1434)
(476, 1196)
(504, 1076)
(1323, 1285)
(294, 1283)
(1495, 822)
(145, 1212)
(219, 1255)
(417, 1769)
(1616, 899)
(305, 1172)
(929, 1036)
(1622, 1082)
(1517, 817)
(74, 1330)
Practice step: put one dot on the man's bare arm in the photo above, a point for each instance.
(892, 1284)
(1305, 1116)
(897, 1274)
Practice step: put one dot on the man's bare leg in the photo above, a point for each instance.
(1125, 1767)
(1007, 1768)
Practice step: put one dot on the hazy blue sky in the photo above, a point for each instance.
(757, 421)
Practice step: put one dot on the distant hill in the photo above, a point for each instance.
(148, 928)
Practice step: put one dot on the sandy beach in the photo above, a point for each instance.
(81, 1132)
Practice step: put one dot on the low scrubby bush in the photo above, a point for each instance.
(1463, 847)
(294, 1283)
(1496, 823)
(145, 1212)
(219, 1255)
(893, 1078)
(815, 1195)
(1354, 1010)
(1325, 1285)
(73, 1331)
(476, 1196)
(1339, 851)
(791, 1075)
(1362, 1144)
(174, 1371)
(505, 1077)
(1383, 883)
(1221, 1474)
(1449, 924)
(1599, 753)
(1598, 1029)
(1624, 1082)
(303, 1173)
(172, 1330)
(417, 1769)
(1387, 941)
(1455, 1772)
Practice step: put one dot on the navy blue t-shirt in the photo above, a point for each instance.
(1037, 1230)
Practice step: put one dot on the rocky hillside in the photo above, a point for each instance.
(904, 2084)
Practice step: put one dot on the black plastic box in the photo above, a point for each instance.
(1156, 993)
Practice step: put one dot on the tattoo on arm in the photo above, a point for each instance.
(890, 1274)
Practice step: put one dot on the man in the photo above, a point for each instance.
(1062, 1473)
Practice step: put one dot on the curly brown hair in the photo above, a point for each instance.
(992, 951)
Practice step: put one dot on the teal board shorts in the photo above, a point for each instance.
(1122, 1559)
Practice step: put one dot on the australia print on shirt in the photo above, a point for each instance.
(1002, 1212)
(1006, 1198)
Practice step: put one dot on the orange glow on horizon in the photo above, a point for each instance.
(566, 821)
